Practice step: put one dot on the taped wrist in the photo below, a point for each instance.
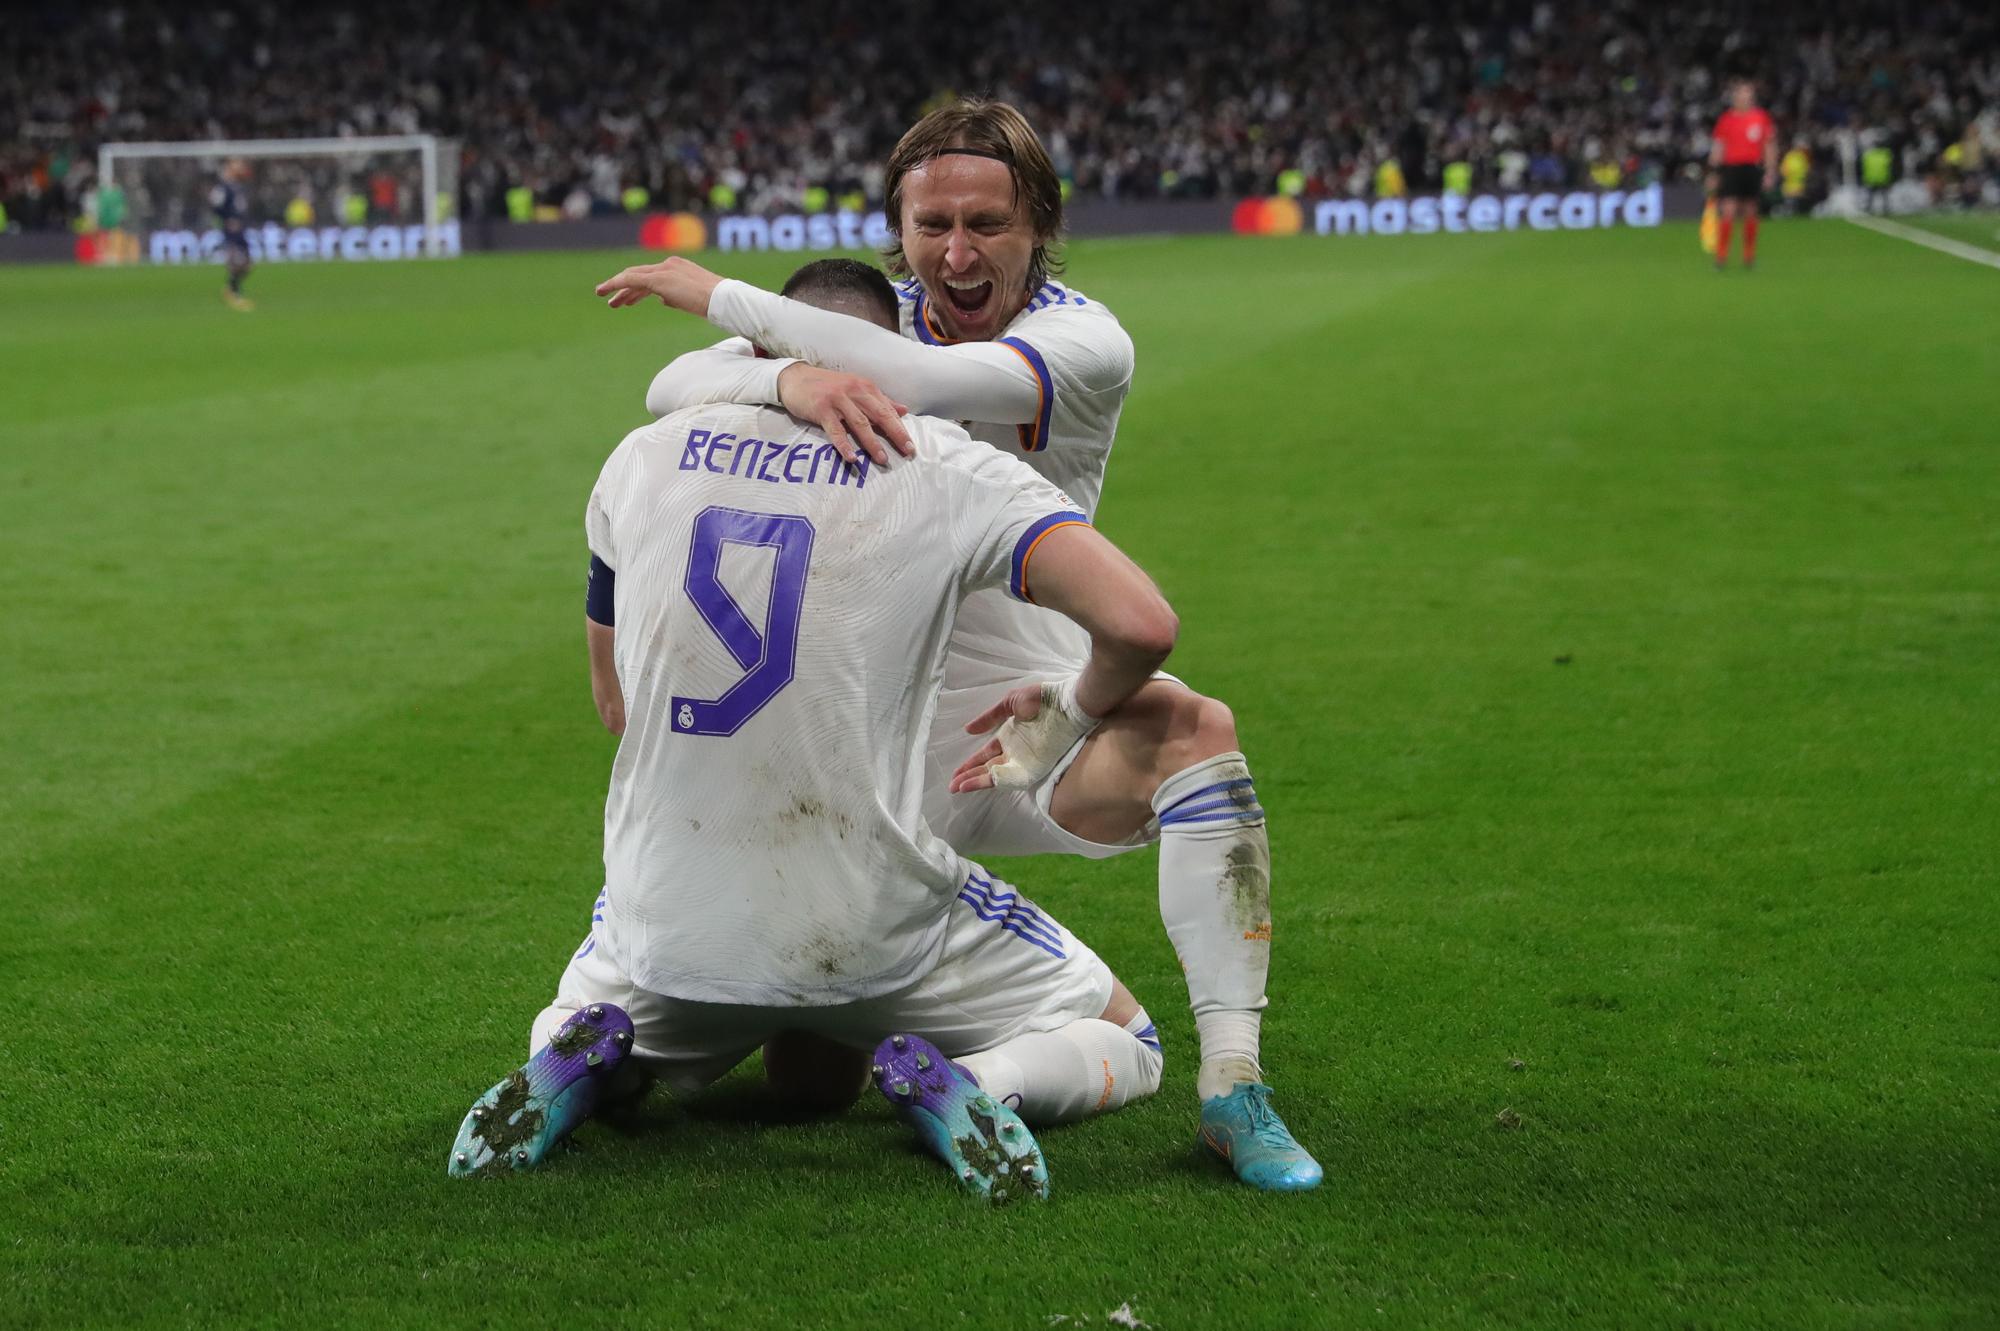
(1031, 749)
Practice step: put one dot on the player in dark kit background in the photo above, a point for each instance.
(230, 203)
(1742, 165)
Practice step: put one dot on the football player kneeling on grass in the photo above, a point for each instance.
(768, 618)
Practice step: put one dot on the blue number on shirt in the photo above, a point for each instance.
(768, 657)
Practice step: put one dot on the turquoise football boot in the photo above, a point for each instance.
(1243, 1129)
(979, 1139)
(521, 1119)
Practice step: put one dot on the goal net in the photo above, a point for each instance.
(308, 200)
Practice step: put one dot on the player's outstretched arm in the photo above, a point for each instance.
(982, 381)
(1077, 573)
(978, 381)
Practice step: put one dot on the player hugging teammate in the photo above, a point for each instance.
(988, 334)
(1004, 753)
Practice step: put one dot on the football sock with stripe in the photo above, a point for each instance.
(1215, 900)
(1087, 1067)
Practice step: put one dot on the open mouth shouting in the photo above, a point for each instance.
(970, 301)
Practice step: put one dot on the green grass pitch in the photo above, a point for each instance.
(1617, 646)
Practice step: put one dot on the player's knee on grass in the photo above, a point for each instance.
(812, 1074)
(1083, 1069)
(1138, 1063)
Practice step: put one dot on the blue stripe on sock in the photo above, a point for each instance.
(1180, 814)
(1204, 793)
(1245, 816)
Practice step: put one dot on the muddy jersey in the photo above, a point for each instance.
(782, 621)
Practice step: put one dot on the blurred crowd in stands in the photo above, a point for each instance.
(562, 108)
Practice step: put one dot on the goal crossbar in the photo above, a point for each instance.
(424, 145)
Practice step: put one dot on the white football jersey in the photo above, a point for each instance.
(781, 629)
(1082, 358)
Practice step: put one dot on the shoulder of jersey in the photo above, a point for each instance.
(733, 415)
(1054, 295)
(943, 436)
(945, 446)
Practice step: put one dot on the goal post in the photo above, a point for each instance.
(362, 198)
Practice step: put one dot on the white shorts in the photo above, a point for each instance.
(995, 979)
(1002, 822)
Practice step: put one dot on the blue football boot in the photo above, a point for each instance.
(518, 1122)
(979, 1139)
(1243, 1129)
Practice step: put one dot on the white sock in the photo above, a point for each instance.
(1087, 1067)
(1215, 899)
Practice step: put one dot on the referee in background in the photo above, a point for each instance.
(1742, 165)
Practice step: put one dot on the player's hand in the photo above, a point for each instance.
(851, 411)
(681, 284)
(1038, 724)
(1709, 183)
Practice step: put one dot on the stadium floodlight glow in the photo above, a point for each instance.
(432, 232)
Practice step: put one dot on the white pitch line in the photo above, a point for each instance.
(1930, 240)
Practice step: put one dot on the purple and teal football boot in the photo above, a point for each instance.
(1243, 1129)
(518, 1122)
(979, 1139)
